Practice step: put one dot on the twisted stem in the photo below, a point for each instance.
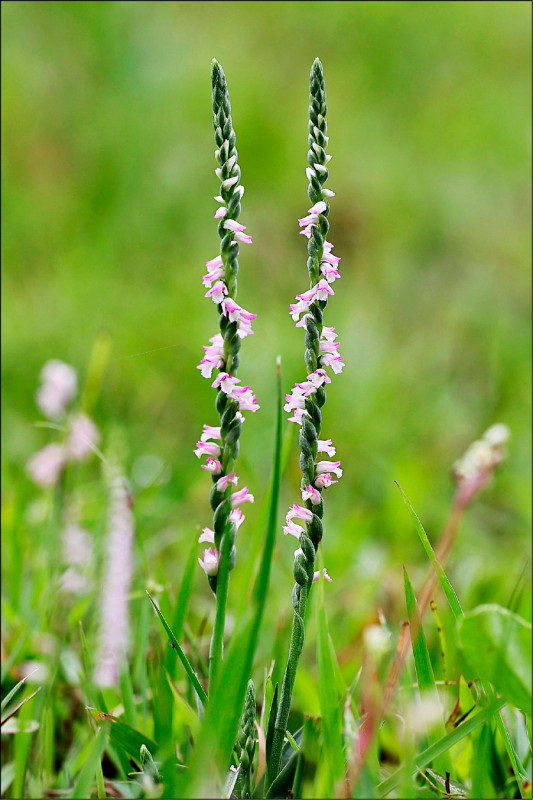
(304, 562)
(231, 192)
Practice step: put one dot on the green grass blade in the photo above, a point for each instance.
(14, 690)
(330, 703)
(124, 736)
(445, 583)
(182, 657)
(424, 670)
(82, 787)
(441, 746)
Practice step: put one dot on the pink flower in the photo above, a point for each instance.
(246, 399)
(298, 308)
(297, 416)
(329, 272)
(307, 296)
(59, 386)
(318, 208)
(329, 466)
(292, 529)
(209, 561)
(299, 512)
(323, 289)
(326, 346)
(210, 432)
(214, 354)
(324, 480)
(328, 334)
(323, 573)
(207, 449)
(213, 466)
(335, 362)
(296, 399)
(226, 480)
(318, 377)
(237, 517)
(240, 315)
(312, 494)
(82, 437)
(217, 292)
(45, 466)
(244, 238)
(221, 212)
(326, 446)
(207, 535)
(225, 382)
(233, 226)
(215, 271)
(242, 496)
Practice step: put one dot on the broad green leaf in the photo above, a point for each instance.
(441, 746)
(497, 644)
(122, 735)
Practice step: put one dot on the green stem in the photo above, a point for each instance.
(217, 638)
(282, 717)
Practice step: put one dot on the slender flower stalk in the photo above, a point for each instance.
(307, 398)
(220, 443)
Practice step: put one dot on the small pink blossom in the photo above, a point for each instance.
(318, 208)
(237, 517)
(214, 354)
(244, 238)
(292, 529)
(207, 449)
(321, 573)
(59, 386)
(329, 466)
(225, 382)
(329, 272)
(45, 466)
(319, 377)
(207, 535)
(214, 263)
(299, 308)
(328, 334)
(210, 432)
(221, 212)
(217, 292)
(209, 561)
(227, 480)
(324, 480)
(233, 226)
(326, 446)
(242, 496)
(297, 415)
(213, 466)
(238, 314)
(312, 494)
(83, 436)
(299, 512)
(335, 362)
(323, 289)
(308, 296)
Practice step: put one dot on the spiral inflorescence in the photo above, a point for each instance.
(221, 443)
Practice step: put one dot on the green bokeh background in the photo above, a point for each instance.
(108, 220)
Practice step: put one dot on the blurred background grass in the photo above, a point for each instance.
(107, 205)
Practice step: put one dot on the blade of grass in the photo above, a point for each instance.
(330, 705)
(441, 746)
(182, 657)
(82, 787)
(424, 671)
(445, 583)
